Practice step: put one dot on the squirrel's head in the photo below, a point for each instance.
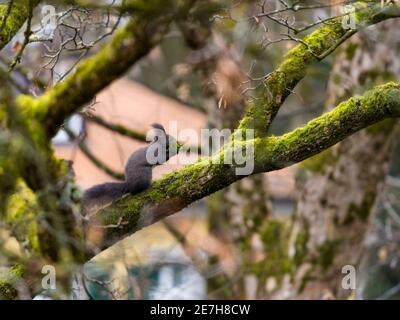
(162, 146)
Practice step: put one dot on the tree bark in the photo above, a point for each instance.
(338, 188)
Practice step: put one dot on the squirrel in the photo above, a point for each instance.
(138, 172)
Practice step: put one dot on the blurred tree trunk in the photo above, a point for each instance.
(378, 274)
(338, 188)
(236, 212)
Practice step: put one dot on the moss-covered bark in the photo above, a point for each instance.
(8, 282)
(280, 83)
(127, 46)
(13, 19)
(338, 188)
(41, 208)
(177, 190)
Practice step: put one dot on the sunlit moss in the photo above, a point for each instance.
(21, 211)
(319, 162)
(15, 19)
(294, 67)
(8, 281)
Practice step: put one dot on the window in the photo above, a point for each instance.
(76, 124)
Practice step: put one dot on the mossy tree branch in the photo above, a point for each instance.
(319, 44)
(41, 117)
(135, 40)
(13, 17)
(177, 190)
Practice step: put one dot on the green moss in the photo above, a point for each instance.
(363, 15)
(351, 50)
(382, 127)
(274, 235)
(336, 78)
(319, 162)
(21, 210)
(8, 281)
(29, 118)
(376, 77)
(281, 82)
(44, 115)
(15, 20)
(360, 211)
(330, 128)
(127, 46)
(326, 253)
(301, 245)
(176, 190)
(306, 279)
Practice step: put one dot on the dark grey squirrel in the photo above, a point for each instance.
(138, 172)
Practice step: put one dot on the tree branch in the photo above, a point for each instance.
(177, 190)
(319, 44)
(131, 43)
(14, 15)
(130, 133)
(122, 130)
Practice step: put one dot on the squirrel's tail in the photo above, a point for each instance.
(100, 195)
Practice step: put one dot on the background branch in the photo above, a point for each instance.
(128, 45)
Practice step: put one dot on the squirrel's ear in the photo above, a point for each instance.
(158, 126)
(157, 132)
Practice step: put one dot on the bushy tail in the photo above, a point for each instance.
(100, 195)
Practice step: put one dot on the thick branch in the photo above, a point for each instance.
(177, 190)
(13, 17)
(128, 45)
